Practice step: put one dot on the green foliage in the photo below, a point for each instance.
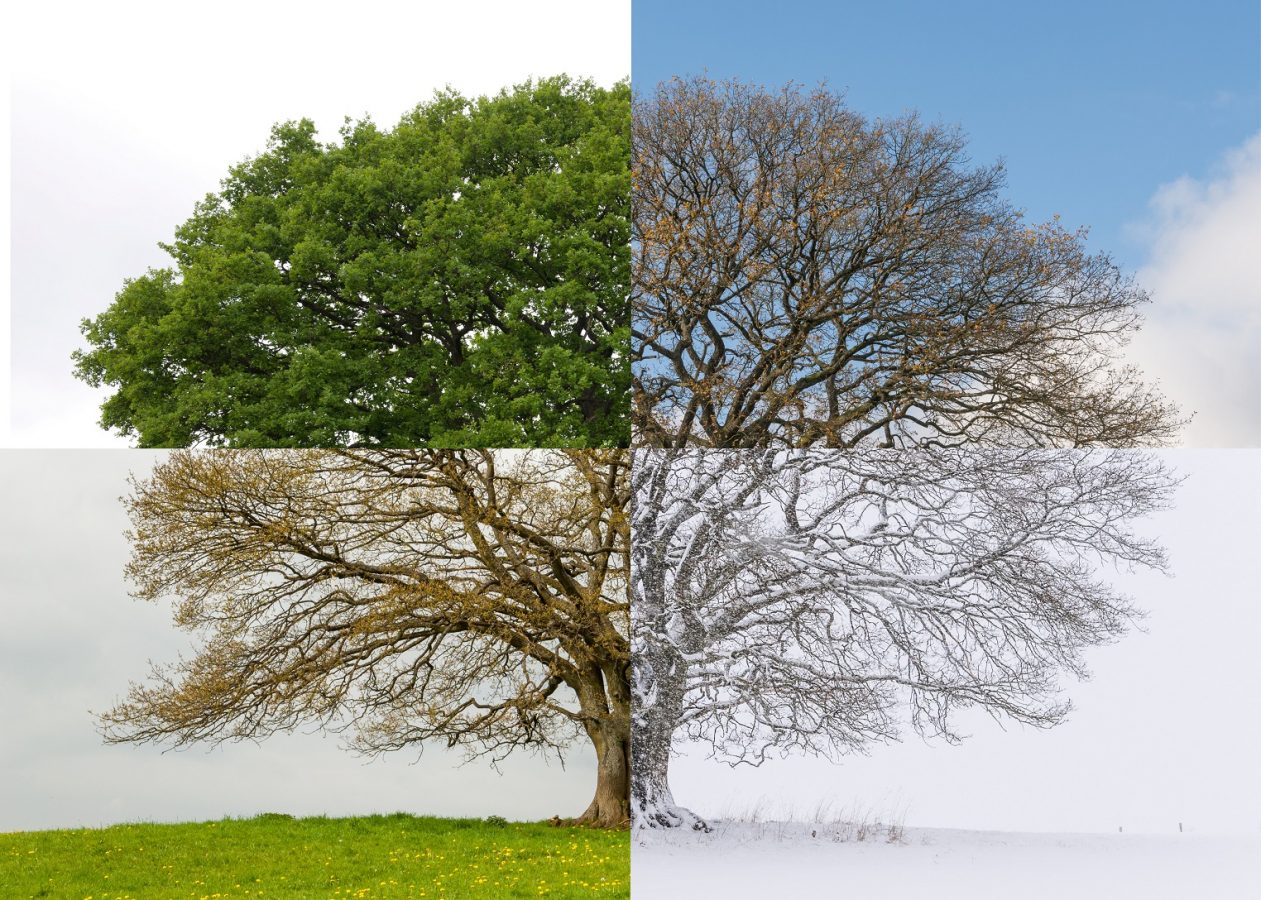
(461, 280)
(278, 856)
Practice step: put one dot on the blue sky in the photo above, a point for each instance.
(1093, 105)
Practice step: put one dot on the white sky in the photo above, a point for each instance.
(124, 114)
(73, 639)
(1167, 730)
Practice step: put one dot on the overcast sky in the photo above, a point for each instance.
(125, 114)
(73, 639)
(1167, 731)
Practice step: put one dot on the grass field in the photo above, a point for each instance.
(278, 856)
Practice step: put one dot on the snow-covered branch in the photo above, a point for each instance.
(794, 601)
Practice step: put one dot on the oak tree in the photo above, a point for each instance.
(460, 280)
(804, 276)
(475, 598)
(819, 601)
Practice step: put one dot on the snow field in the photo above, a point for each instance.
(872, 861)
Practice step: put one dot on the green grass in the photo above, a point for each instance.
(279, 856)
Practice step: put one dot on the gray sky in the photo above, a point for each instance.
(1166, 731)
(123, 115)
(73, 639)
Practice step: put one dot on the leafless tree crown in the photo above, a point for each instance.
(472, 597)
(804, 276)
(815, 601)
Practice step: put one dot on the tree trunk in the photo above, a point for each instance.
(610, 808)
(594, 407)
(604, 697)
(659, 689)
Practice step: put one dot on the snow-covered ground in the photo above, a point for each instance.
(776, 859)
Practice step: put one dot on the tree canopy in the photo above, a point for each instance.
(460, 280)
(819, 601)
(471, 597)
(804, 276)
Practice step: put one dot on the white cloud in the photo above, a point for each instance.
(1203, 334)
